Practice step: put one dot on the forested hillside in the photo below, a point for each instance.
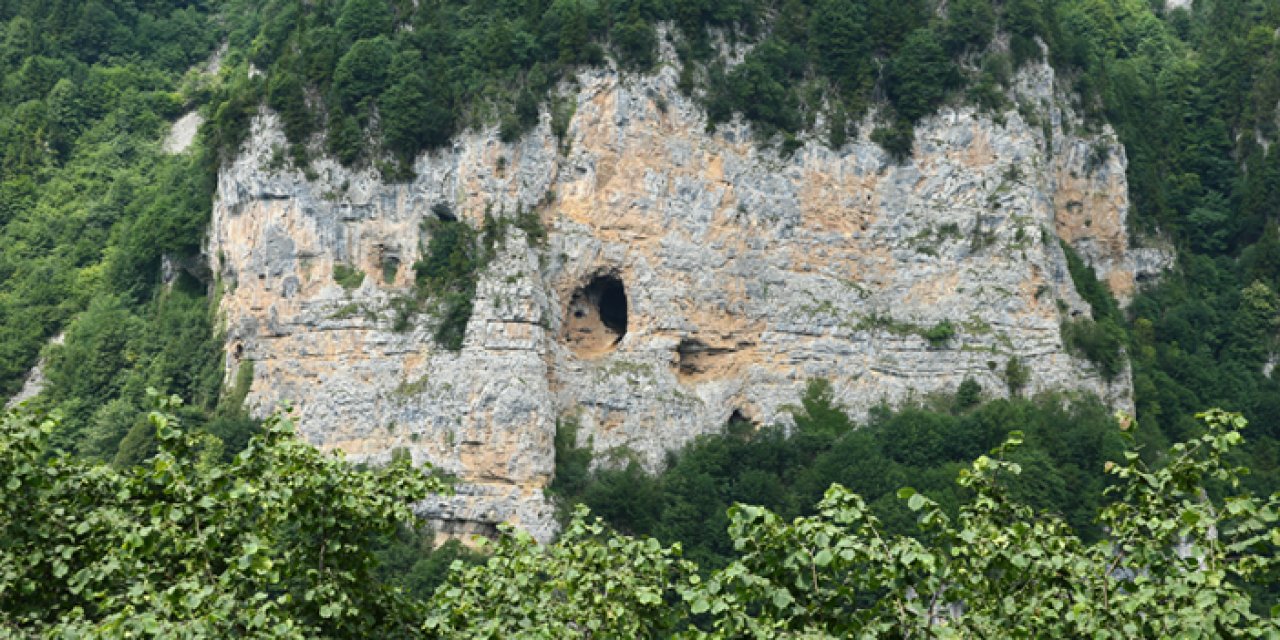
(101, 233)
(91, 207)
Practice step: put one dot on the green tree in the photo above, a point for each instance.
(88, 365)
(1174, 563)
(361, 19)
(920, 74)
(286, 94)
(364, 71)
(818, 412)
(970, 25)
(271, 544)
(411, 119)
(838, 38)
(634, 41)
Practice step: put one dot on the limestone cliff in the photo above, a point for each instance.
(686, 276)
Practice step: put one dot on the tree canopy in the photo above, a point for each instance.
(276, 543)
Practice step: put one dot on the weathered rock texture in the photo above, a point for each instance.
(746, 274)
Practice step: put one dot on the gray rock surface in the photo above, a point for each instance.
(746, 274)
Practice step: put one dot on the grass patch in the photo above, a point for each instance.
(408, 389)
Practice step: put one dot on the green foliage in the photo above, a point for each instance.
(635, 42)
(273, 543)
(90, 208)
(446, 276)
(87, 365)
(411, 119)
(941, 333)
(1102, 343)
(970, 25)
(286, 94)
(896, 137)
(920, 74)
(363, 72)
(497, 63)
(365, 19)
(410, 561)
(969, 394)
(591, 583)
(1100, 339)
(1093, 290)
(347, 277)
(819, 414)
(1173, 563)
(838, 40)
(1016, 374)
(788, 472)
(573, 463)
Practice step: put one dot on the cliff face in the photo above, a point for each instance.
(686, 277)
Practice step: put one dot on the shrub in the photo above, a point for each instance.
(1016, 374)
(940, 334)
(349, 277)
(1101, 343)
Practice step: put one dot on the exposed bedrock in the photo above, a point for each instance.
(687, 279)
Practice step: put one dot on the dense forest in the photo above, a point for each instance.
(100, 236)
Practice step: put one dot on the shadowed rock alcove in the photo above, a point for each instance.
(697, 359)
(597, 318)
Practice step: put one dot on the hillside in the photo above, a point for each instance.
(580, 251)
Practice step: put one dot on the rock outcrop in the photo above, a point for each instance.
(685, 277)
(33, 385)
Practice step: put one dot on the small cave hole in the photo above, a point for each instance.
(444, 212)
(690, 356)
(597, 315)
(740, 424)
(238, 352)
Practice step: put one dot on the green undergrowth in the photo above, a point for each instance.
(787, 470)
(1100, 338)
(453, 260)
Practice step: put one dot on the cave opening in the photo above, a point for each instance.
(740, 425)
(597, 318)
(611, 300)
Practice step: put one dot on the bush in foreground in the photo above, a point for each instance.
(1173, 565)
(274, 543)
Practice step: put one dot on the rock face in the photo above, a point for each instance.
(685, 276)
(35, 381)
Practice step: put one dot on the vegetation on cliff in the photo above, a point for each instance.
(90, 208)
(93, 216)
(1065, 446)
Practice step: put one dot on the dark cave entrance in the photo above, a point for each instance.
(611, 299)
(597, 318)
(740, 425)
